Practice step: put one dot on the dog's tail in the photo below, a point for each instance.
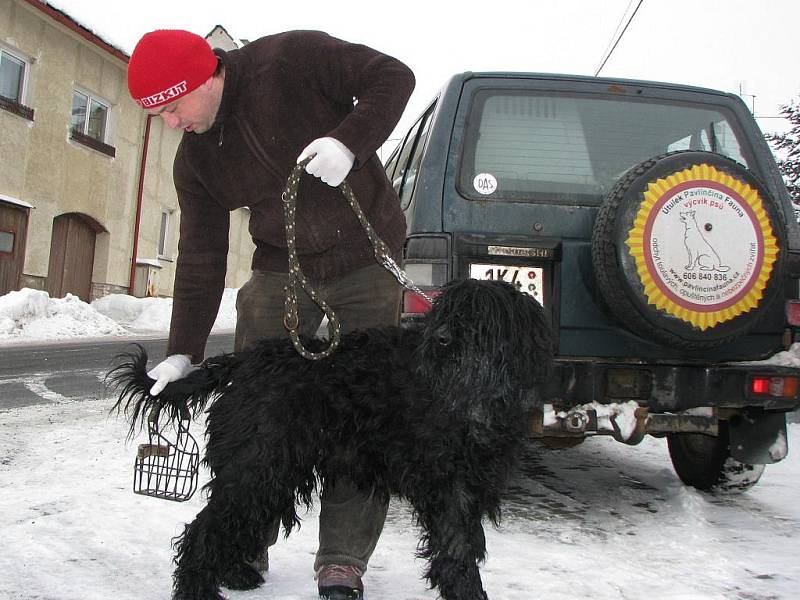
(186, 397)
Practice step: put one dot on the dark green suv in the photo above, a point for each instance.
(651, 222)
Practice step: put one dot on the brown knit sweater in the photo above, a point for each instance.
(281, 92)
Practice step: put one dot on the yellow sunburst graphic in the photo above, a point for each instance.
(658, 295)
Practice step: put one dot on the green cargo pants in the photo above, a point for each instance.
(350, 523)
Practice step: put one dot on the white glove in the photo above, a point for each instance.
(171, 369)
(332, 162)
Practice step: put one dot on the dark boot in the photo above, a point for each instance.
(340, 582)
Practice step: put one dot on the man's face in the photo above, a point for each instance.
(195, 112)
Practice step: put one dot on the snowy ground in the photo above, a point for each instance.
(602, 521)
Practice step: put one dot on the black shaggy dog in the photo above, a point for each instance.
(435, 415)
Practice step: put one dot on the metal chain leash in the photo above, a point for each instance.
(291, 319)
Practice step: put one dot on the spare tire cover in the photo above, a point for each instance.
(688, 249)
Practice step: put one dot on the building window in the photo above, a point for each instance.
(12, 76)
(6, 242)
(89, 116)
(89, 122)
(163, 234)
(13, 70)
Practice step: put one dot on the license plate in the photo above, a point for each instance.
(527, 279)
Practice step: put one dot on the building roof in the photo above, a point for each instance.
(67, 21)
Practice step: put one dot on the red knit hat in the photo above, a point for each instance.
(167, 64)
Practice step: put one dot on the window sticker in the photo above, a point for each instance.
(485, 183)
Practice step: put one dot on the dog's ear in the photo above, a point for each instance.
(526, 336)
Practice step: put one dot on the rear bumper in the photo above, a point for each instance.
(666, 387)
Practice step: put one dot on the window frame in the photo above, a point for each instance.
(17, 106)
(91, 99)
(163, 234)
(415, 157)
(82, 136)
(391, 163)
(401, 160)
(14, 235)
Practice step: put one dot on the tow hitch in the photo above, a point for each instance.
(626, 422)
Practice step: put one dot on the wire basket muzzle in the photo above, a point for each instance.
(167, 469)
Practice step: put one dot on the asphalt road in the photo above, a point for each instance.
(71, 371)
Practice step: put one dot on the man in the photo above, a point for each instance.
(247, 115)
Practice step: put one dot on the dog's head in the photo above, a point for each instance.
(487, 339)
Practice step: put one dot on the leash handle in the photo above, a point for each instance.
(291, 319)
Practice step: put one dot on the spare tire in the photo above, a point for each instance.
(688, 249)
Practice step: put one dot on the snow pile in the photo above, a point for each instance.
(33, 315)
(138, 314)
(788, 358)
(780, 447)
(153, 314)
(623, 414)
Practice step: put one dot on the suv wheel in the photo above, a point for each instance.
(688, 248)
(705, 462)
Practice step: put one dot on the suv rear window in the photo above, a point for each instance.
(561, 148)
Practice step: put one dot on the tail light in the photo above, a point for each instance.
(793, 312)
(427, 264)
(415, 304)
(781, 387)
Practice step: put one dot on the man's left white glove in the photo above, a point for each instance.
(332, 162)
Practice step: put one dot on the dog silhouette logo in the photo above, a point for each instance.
(701, 252)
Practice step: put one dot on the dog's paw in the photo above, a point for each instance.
(196, 587)
(198, 594)
(242, 577)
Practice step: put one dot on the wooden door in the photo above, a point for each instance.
(13, 229)
(71, 257)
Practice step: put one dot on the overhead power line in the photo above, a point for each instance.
(614, 46)
(619, 26)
